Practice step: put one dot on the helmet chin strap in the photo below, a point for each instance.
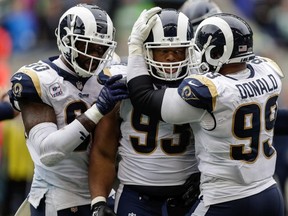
(207, 52)
(204, 67)
(205, 46)
(218, 67)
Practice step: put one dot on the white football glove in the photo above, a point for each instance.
(141, 30)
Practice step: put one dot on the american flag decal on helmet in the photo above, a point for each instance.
(242, 48)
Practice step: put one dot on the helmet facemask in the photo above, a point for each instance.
(168, 71)
(91, 26)
(171, 31)
(102, 61)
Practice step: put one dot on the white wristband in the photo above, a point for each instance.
(98, 199)
(93, 114)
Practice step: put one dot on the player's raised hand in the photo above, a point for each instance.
(141, 29)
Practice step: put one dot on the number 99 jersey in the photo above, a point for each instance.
(234, 139)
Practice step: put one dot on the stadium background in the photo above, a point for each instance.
(27, 35)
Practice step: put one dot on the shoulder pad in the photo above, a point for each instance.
(275, 66)
(26, 85)
(199, 91)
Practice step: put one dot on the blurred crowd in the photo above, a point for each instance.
(270, 15)
(27, 33)
(31, 22)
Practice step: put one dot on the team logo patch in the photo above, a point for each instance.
(187, 93)
(17, 89)
(55, 90)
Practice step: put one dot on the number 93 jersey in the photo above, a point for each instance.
(154, 153)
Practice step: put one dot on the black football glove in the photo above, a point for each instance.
(113, 91)
(101, 209)
(193, 190)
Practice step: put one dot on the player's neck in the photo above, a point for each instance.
(66, 63)
(232, 68)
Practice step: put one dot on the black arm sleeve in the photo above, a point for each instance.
(6, 111)
(281, 127)
(144, 97)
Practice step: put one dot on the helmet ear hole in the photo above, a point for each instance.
(216, 52)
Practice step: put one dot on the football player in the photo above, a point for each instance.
(158, 162)
(198, 10)
(57, 100)
(231, 107)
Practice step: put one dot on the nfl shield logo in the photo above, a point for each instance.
(79, 85)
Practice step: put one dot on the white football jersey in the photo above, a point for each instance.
(50, 82)
(153, 153)
(234, 139)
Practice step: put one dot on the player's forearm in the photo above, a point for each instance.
(102, 174)
(165, 104)
(175, 110)
(136, 67)
(100, 183)
(102, 167)
(53, 144)
(102, 159)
